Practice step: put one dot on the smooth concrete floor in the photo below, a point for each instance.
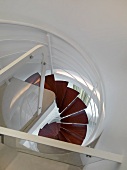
(29, 162)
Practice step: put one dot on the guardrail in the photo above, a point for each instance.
(8, 70)
(62, 145)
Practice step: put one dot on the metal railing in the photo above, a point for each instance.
(54, 149)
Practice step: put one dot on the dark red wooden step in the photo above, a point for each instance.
(79, 117)
(34, 79)
(71, 138)
(55, 127)
(50, 83)
(76, 106)
(61, 137)
(46, 132)
(78, 129)
(61, 87)
(70, 95)
(50, 130)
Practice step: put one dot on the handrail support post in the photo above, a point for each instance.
(50, 51)
(41, 89)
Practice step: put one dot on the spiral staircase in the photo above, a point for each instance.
(72, 123)
(67, 56)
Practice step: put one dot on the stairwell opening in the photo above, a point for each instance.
(69, 62)
(91, 111)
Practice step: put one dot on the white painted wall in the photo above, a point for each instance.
(100, 28)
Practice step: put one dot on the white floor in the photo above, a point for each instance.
(29, 162)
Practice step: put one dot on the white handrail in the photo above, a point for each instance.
(62, 145)
(9, 70)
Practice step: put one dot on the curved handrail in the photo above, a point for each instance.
(45, 28)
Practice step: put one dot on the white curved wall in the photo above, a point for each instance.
(100, 28)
